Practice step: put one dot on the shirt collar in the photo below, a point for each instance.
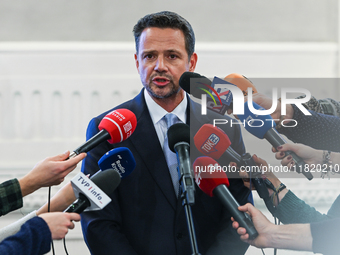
(157, 112)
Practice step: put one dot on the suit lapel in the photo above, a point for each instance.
(147, 145)
(194, 116)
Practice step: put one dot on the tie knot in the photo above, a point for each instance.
(170, 119)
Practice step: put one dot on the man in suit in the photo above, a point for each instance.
(145, 215)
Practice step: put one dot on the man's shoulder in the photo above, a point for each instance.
(135, 105)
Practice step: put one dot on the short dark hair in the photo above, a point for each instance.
(166, 19)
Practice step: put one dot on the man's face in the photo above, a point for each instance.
(161, 60)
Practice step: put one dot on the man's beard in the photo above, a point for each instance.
(173, 91)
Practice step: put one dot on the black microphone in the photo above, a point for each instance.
(214, 183)
(179, 143)
(107, 181)
(185, 80)
(196, 80)
(219, 100)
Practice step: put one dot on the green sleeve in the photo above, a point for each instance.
(10, 196)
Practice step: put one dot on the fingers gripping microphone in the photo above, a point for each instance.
(214, 142)
(119, 159)
(263, 126)
(214, 182)
(115, 127)
(179, 143)
(93, 192)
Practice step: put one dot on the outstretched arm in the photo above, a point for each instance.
(292, 237)
(48, 172)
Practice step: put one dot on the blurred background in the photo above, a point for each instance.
(64, 62)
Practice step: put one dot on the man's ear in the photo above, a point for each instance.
(193, 62)
(137, 62)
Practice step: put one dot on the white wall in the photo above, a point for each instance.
(213, 21)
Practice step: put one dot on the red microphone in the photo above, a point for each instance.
(213, 142)
(211, 179)
(115, 127)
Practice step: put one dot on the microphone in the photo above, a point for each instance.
(119, 159)
(92, 193)
(179, 143)
(186, 79)
(215, 183)
(196, 85)
(214, 142)
(242, 82)
(267, 130)
(115, 127)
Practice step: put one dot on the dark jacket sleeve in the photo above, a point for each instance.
(102, 229)
(326, 106)
(10, 196)
(318, 130)
(34, 238)
(294, 210)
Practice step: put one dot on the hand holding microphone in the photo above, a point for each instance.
(59, 223)
(309, 155)
(263, 126)
(262, 224)
(214, 182)
(48, 172)
(270, 183)
(120, 159)
(266, 131)
(213, 142)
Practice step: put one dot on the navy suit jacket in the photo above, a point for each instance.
(144, 216)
